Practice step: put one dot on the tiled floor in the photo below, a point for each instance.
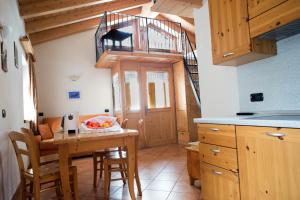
(162, 171)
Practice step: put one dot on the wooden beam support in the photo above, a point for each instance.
(30, 8)
(55, 33)
(176, 7)
(45, 22)
(189, 20)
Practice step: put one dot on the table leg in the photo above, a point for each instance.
(131, 165)
(63, 152)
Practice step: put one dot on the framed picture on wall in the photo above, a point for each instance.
(3, 57)
(74, 95)
(16, 56)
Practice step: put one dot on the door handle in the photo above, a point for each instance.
(275, 134)
(215, 151)
(217, 172)
(228, 54)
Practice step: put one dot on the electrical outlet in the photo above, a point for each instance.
(106, 110)
(254, 97)
(3, 113)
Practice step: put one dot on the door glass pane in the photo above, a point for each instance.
(117, 94)
(158, 89)
(132, 93)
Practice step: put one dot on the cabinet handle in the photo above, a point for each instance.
(214, 129)
(275, 134)
(215, 150)
(217, 172)
(228, 54)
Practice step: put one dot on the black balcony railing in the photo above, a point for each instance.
(149, 35)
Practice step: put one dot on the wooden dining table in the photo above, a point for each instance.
(84, 142)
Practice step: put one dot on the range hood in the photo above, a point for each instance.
(282, 32)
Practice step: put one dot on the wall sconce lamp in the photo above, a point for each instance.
(74, 77)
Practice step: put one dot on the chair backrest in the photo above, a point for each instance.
(31, 136)
(124, 123)
(29, 150)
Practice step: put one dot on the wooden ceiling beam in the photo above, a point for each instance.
(189, 20)
(178, 28)
(39, 7)
(55, 33)
(49, 21)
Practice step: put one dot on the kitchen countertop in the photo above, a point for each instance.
(284, 120)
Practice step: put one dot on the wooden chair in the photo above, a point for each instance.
(99, 155)
(46, 158)
(120, 159)
(37, 177)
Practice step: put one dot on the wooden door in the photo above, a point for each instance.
(269, 161)
(256, 8)
(218, 183)
(229, 29)
(159, 118)
(158, 101)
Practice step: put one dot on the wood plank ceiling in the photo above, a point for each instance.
(47, 20)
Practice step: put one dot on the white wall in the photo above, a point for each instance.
(61, 58)
(218, 84)
(277, 77)
(11, 91)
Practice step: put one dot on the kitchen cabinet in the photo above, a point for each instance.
(231, 41)
(218, 162)
(271, 14)
(257, 7)
(218, 183)
(268, 161)
(193, 163)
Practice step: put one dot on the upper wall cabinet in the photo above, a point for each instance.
(267, 15)
(257, 7)
(231, 42)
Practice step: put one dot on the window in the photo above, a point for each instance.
(132, 93)
(158, 90)
(117, 94)
(28, 104)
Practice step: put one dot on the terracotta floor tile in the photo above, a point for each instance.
(167, 176)
(155, 195)
(183, 196)
(161, 185)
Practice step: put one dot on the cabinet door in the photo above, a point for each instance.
(229, 29)
(218, 183)
(269, 160)
(257, 7)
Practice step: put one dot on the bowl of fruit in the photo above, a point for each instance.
(99, 124)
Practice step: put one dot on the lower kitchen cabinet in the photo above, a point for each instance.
(269, 163)
(218, 183)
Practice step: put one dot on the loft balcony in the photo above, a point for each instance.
(127, 37)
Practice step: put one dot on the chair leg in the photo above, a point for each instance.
(95, 169)
(24, 189)
(106, 180)
(122, 172)
(37, 189)
(101, 166)
(57, 189)
(75, 184)
(138, 182)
